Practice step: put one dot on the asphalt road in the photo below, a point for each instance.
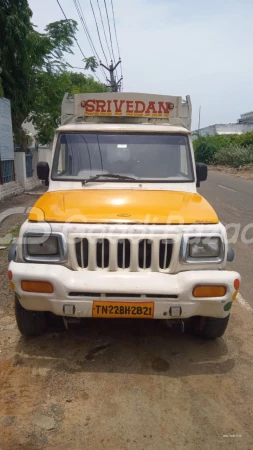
(232, 199)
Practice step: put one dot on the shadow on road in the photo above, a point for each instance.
(127, 347)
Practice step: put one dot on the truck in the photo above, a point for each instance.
(122, 231)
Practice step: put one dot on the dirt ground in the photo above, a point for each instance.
(243, 171)
(122, 385)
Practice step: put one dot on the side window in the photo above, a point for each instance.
(184, 160)
(62, 162)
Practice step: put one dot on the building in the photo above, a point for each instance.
(246, 118)
(243, 125)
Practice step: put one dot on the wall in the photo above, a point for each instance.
(10, 189)
(20, 171)
(231, 128)
(224, 128)
(22, 183)
(45, 154)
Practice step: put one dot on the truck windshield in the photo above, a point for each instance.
(145, 157)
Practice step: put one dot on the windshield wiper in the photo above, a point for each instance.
(107, 175)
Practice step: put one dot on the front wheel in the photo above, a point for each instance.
(30, 323)
(209, 327)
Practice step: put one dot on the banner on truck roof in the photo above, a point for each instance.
(124, 105)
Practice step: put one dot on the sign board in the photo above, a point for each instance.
(6, 135)
(127, 105)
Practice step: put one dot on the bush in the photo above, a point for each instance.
(205, 150)
(231, 150)
(234, 156)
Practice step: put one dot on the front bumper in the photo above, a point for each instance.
(164, 290)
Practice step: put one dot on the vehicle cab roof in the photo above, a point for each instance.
(127, 128)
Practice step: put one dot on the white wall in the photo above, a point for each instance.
(225, 128)
(22, 183)
(20, 171)
(45, 154)
(10, 189)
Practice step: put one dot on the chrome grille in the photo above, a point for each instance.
(113, 254)
(145, 253)
(103, 248)
(82, 252)
(165, 253)
(123, 254)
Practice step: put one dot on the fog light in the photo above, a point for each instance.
(209, 291)
(175, 311)
(69, 310)
(42, 287)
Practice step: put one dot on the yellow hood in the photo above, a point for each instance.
(121, 206)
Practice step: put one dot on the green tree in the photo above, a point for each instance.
(91, 63)
(25, 54)
(49, 91)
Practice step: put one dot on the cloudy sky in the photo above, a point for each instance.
(199, 47)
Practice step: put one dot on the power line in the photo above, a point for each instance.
(80, 14)
(110, 33)
(86, 30)
(115, 28)
(67, 19)
(116, 35)
(98, 31)
(76, 41)
(106, 40)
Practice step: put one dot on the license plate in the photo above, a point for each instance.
(129, 310)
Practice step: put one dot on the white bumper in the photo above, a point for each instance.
(165, 290)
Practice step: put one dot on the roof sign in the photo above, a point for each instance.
(136, 108)
(139, 106)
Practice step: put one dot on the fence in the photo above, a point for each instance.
(21, 174)
(7, 174)
(29, 164)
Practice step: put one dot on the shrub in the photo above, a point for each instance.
(234, 150)
(205, 150)
(234, 156)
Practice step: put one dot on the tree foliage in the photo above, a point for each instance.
(91, 63)
(31, 61)
(49, 91)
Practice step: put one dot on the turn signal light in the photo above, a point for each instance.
(209, 291)
(237, 284)
(43, 287)
(10, 274)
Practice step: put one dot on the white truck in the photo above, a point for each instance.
(122, 231)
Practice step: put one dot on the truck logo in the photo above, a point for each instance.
(124, 215)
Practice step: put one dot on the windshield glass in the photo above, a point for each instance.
(146, 157)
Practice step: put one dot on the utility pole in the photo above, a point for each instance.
(113, 84)
(199, 119)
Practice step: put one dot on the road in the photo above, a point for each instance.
(232, 199)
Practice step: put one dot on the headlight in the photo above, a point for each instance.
(202, 249)
(44, 247)
(48, 247)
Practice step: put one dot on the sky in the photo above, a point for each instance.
(201, 48)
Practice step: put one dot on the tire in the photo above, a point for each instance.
(30, 323)
(210, 327)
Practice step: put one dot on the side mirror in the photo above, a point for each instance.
(201, 171)
(43, 172)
